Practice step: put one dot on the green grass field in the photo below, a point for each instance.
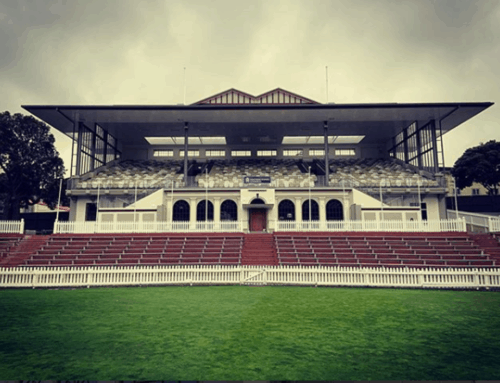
(249, 333)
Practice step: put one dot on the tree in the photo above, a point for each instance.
(30, 166)
(480, 164)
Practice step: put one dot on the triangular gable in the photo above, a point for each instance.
(233, 96)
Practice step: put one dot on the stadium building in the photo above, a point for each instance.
(270, 189)
(273, 162)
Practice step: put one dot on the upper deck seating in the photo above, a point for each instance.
(231, 173)
(371, 172)
(129, 173)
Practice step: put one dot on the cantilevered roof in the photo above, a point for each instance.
(250, 123)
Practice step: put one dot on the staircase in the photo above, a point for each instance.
(30, 244)
(489, 244)
(259, 249)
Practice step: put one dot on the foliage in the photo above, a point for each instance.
(479, 164)
(249, 333)
(30, 165)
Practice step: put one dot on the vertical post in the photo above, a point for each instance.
(434, 145)
(21, 228)
(309, 197)
(77, 128)
(455, 194)
(97, 207)
(206, 198)
(186, 128)
(327, 165)
(59, 200)
(419, 201)
(135, 203)
(381, 201)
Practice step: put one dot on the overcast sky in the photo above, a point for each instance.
(134, 52)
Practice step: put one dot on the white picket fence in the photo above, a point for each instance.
(11, 227)
(248, 275)
(487, 222)
(394, 226)
(146, 227)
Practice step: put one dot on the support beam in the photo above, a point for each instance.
(434, 146)
(186, 128)
(327, 164)
(77, 128)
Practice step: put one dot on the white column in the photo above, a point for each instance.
(217, 211)
(322, 213)
(192, 212)
(298, 209)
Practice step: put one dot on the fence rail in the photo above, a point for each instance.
(10, 227)
(394, 226)
(248, 275)
(146, 227)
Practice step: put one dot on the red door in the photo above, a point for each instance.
(257, 219)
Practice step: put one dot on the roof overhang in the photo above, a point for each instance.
(378, 122)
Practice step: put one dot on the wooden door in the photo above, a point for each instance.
(258, 219)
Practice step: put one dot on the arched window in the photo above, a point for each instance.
(181, 211)
(257, 201)
(286, 210)
(334, 210)
(314, 211)
(200, 211)
(228, 211)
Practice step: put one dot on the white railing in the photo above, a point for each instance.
(12, 227)
(248, 275)
(146, 227)
(395, 226)
(488, 222)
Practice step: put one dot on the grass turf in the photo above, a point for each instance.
(249, 333)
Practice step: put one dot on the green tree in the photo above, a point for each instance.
(479, 164)
(30, 166)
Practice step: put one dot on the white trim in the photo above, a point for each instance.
(31, 277)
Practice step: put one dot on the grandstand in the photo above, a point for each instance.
(276, 179)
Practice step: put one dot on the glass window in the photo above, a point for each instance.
(163, 153)
(293, 152)
(241, 153)
(266, 153)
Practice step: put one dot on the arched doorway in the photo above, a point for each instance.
(314, 211)
(202, 214)
(257, 216)
(228, 211)
(180, 212)
(334, 210)
(286, 210)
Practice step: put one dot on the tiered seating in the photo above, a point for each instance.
(230, 173)
(8, 241)
(153, 249)
(383, 250)
(370, 172)
(128, 173)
